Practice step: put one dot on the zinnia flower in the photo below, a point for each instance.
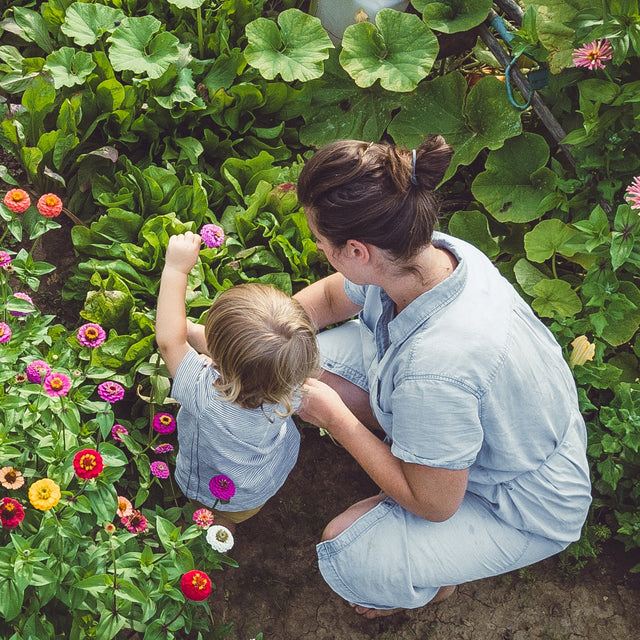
(50, 205)
(164, 423)
(44, 494)
(212, 235)
(57, 384)
(5, 332)
(159, 469)
(37, 371)
(22, 296)
(125, 508)
(164, 448)
(195, 585)
(111, 391)
(222, 487)
(633, 193)
(10, 478)
(203, 518)
(19, 378)
(91, 335)
(135, 522)
(5, 259)
(11, 513)
(17, 200)
(592, 55)
(583, 351)
(88, 464)
(110, 528)
(220, 538)
(117, 430)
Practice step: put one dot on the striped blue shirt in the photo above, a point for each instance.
(256, 449)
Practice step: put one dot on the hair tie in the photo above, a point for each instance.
(413, 167)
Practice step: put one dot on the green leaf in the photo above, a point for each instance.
(548, 238)
(515, 181)
(69, 67)
(128, 591)
(10, 599)
(527, 276)
(453, 16)
(135, 48)
(85, 23)
(399, 51)
(555, 297)
(187, 4)
(296, 51)
(94, 584)
(623, 320)
(103, 499)
(473, 227)
(108, 308)
(109, 624)
(33, 27)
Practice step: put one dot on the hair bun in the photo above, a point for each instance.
(433, 158)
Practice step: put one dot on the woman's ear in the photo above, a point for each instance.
(358, 250)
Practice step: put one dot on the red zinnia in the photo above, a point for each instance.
(50, 205)
(88, 464)
(17, 200)
(11, 513)
(222, 487)
(196, 585)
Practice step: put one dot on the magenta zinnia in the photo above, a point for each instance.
(110, 391)
(11, 513)
(164, 423)
(118, 430)
(57, 384)
(222, 487)
(49, 205)
(5, 332)
(212, 235)
(135, 522)
(17, 200)
(37, 371)
(91, 335)
(633, 193)
(159, 469)
(5, 259)
(165, 447)
(592, 55)
(27, 298)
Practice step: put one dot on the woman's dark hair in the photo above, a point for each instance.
(368, 192)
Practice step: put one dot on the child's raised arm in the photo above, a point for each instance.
(171, 317)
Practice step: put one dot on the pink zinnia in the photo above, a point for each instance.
(164, 423)
(592, 55)
(5, 332)
(37, 371)
(159, 469)
(57, 384)
(135, 522)
(117, 430)
(22, 296)
(164, 448)
(111, 391)
(91, 335)
(125, 508)
(5, 259)
(633, 193)
(49, 205)
(212, 235)
(17, 200)
(203, 518)
(222, 487)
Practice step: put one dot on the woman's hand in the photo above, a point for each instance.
(322, 406)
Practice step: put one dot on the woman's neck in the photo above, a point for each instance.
(430, 267)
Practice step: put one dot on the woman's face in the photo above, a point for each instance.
(324, 245)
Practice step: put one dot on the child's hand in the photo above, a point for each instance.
(182, 252)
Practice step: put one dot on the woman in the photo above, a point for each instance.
(483, 468)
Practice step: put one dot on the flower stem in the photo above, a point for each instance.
(115, 575)
(166, 626)
(200, 32)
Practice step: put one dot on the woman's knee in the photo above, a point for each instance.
(348, 517)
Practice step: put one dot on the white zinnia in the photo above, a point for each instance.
(220, 538)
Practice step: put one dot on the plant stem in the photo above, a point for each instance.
(115, 574)
(200, 32)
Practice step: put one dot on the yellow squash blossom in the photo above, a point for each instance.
(44, 494)
(583, 350)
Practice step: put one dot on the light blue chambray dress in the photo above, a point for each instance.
(465, 377)
(256, 449)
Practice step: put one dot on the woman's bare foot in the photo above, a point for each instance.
(370, 614)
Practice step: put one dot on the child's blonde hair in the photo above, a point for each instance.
(262, 343)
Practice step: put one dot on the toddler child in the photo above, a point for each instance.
(237, 395)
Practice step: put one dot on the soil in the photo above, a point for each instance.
(277, 589)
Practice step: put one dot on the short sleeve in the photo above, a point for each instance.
(192, 382)
(355, 292)
(436, 423)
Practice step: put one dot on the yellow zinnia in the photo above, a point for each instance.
(44, 494)
(583, 350)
